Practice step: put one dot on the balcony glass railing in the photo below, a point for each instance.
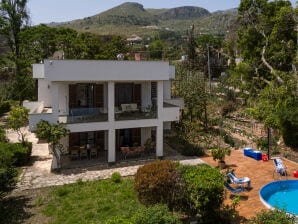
(82, 115)
(136, 114)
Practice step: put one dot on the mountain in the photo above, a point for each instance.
(128, 14)
(185, 12)
(131, 18)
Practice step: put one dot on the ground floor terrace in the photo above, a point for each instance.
(92, 147)
(259, 172)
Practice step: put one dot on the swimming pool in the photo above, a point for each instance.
(281, 195)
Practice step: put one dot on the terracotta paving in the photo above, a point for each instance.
(259, 172)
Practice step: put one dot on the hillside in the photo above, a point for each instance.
(129, 18)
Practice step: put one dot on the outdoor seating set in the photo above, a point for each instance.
(82, 152)
(136, 151)
(132, 151)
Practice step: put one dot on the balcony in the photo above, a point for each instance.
(84, 115)
(132, 112)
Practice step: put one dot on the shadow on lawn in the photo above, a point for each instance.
(13, 210)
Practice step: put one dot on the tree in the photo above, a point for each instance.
(190, 85)
(52, 133)
(266, 38)
(14, 17)
(17, 119)
(156, 49)
(268, 44)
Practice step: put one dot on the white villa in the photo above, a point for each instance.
(114, 109)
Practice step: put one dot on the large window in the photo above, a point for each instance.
(86, 95)
(127, 93)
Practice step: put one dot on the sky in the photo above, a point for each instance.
(42, 11)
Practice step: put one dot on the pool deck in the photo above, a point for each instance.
(259, 172)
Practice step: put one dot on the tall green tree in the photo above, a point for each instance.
(266, 38)
(268, 45)
(14, 18)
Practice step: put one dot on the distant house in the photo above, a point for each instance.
(134, 38)
(113, 109)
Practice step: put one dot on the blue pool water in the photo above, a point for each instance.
(281, 195)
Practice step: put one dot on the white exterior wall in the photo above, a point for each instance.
(159, 128)
(38, 71)
(167, 89)
(58, 75)
(145, 134)
(63, 99)
(146, 94)
(80, 70)
(34, 107)
(35, 118)
(44, 92)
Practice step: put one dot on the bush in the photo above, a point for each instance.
(2, 135)
(192, 150)
(16, 153)
(204, 191)
(7, 178)
(157, 214)
(228, 108)
(4, 107)
(229, 140)
(116, 177)
(159, 182)
(272, 217)
(118, 220)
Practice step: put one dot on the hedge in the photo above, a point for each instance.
(15, 154)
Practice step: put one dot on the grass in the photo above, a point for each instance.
(89, 202)
(81, 202)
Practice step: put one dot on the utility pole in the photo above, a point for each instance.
(209, 72)
(268, 150)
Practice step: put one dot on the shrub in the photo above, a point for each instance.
(4, 107)
(116, 177)
(7, 178)
(227, 108)
(118, 220)
(159, 182)
(2, 135)
(229, 140)
(16, 154)
(157, 214)
(272, 216)
(192, 150)
(204, 191)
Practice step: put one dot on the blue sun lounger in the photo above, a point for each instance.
(233, 190)
(239, 181)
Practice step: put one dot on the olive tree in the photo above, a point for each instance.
(52, 133)
(17, 119)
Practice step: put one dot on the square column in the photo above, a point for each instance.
(55, 101)
(111, 146)
(159, 99)
(111, 101)
(159, 140)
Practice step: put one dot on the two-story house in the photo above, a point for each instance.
(106, 105)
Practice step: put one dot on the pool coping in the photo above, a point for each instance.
(270, 206)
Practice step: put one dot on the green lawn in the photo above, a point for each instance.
(89, 202)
